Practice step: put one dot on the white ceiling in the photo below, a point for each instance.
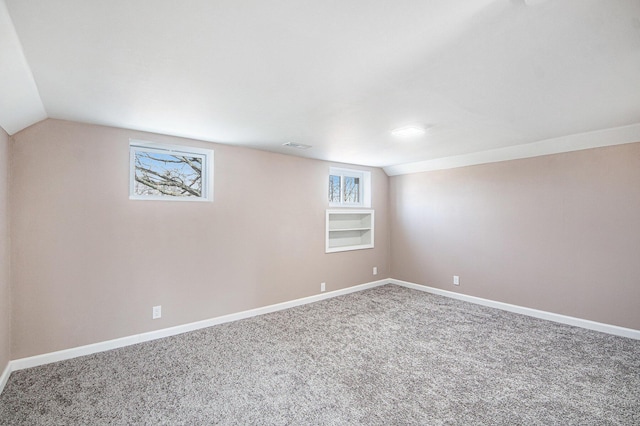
(335, 74)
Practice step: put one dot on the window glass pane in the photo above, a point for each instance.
(351, 189)
(171, 175)
(334, 189)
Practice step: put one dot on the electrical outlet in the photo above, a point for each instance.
(323, 286)
(456, 280)
(375, 270)
(157, 312)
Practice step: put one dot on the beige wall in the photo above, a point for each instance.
(559, 233)
(5, 289)
(89, 263)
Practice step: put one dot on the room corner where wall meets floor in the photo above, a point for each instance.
(71, 353)
(383, 355)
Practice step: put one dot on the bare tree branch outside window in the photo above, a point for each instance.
(351, 189)
(334, 189)
(344, 189)
(173, 175)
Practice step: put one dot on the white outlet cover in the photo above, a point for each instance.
(157, 312)
(375, 270)
(456, 280)
(323, 286)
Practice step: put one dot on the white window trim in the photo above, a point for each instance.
(207, 169)
(365, 187)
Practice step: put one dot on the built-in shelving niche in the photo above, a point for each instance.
(349, 230)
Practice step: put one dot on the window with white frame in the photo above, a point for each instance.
(349, 188)
(169, 172)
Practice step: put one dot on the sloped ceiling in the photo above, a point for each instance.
(20, 103)
(339, 75)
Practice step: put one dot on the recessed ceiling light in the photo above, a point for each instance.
(408, 131)
(296, 145)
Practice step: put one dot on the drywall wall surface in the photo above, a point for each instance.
(5, 286)
(89, 264)
(560, 233)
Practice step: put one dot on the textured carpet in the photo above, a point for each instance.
(388, 355)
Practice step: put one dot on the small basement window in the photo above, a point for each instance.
(169, 172)
(349, 188)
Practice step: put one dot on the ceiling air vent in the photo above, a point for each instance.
(296, 145)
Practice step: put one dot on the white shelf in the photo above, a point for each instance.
(349, 230)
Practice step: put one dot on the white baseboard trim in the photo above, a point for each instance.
(34, 361)
(550, 316)
(5, 376)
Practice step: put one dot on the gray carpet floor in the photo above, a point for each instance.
(388, 355)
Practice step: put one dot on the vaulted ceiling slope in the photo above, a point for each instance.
(339, 75)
